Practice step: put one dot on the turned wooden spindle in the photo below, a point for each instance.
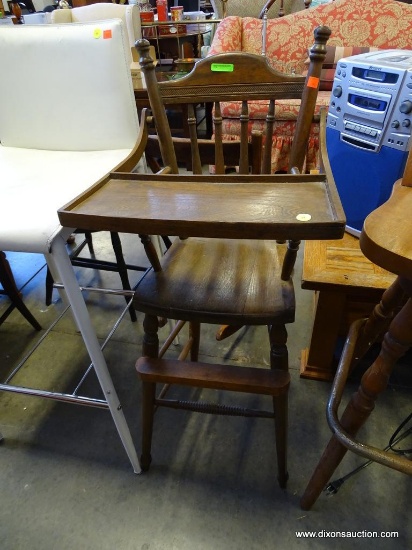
(385, 241)
(396, 343)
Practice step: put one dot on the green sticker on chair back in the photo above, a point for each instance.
(222, 67)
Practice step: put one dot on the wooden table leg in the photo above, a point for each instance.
(317, 360)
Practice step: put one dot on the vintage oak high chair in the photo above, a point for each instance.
(386, 241)
(224, 266)
(192, 267)
(235, 282)
(212, 82)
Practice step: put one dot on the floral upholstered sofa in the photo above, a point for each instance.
(357, 26)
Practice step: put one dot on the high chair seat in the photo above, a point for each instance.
(231, 294)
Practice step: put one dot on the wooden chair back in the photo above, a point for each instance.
(233, 77)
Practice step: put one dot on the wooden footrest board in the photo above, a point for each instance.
(215, 376)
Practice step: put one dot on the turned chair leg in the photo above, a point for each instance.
(122, 268)
(279, 359)
(9, 285)
(395, 344)
(150, 346)
(194, 337)
(378, 322)
(150, 349)
(274, 383)
(280, 408)
(217, 377)
(148, 410)
(278, 337)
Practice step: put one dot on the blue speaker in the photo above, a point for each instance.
(364, 178)
(369, 127)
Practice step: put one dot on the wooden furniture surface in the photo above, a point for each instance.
(139, 84)
(142, 100)
(176, 46)
(175, 40)
(229, 279)
(234, 207)
(237, 77)
(347, 286)
(385, 240)
(389, 244)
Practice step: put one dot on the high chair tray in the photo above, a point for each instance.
(280, 206)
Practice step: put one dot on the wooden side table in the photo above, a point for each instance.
(142, 99)
(347, 286)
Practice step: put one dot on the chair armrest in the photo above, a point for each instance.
(217, 8)
(134, 28)
(61, 16)
(228, 36)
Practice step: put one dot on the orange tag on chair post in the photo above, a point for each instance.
(107, 34)
(313, 82)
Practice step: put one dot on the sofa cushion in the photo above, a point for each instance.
(381, 24)
(285, 109)
(284, 131)
(333, 55)
(336, 53)
(384, 24)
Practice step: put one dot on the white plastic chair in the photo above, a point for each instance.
(68, 118)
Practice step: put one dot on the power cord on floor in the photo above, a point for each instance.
(333, 487)
(393, 440)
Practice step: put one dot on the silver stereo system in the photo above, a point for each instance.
(371, 101)
(369, 128)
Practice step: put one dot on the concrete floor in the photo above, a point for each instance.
(66, 482)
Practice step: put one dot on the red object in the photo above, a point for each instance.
(147, 17)
(161, 10)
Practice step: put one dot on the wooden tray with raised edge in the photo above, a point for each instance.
(280, 206)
